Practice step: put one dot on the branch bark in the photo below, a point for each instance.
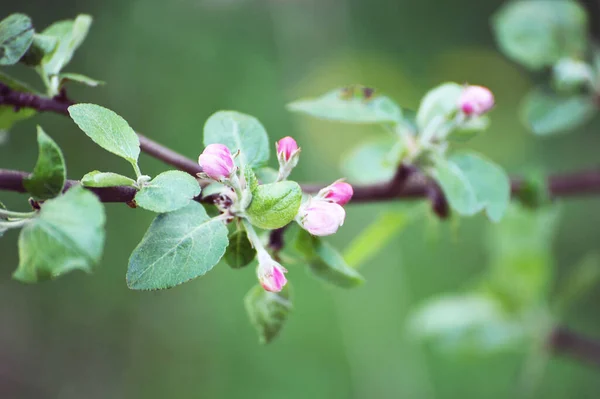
(563, 341)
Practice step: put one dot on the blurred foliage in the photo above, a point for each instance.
(168, 66)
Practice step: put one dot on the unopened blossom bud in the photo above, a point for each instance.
(339, 192)
(216, 162)
(270, 273)
(476, 100)
(286, 147)
(320, 217)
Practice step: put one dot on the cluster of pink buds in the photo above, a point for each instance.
(323, 214)
(288, 154)
(475, 100)
(216, 162)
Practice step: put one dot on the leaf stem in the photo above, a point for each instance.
(4, 213)
(253, 236)
(13, 224)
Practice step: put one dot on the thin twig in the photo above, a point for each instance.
(563, 341)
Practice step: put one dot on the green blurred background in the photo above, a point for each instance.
(169, 65)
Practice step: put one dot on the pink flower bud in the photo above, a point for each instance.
(476, 100)
(286, 147)
(339, 192)
(270, 273)
(321, 218)
(216, 162)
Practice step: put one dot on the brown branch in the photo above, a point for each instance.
(563, 341)
(405, 184)
(60, 105)
(562, 185)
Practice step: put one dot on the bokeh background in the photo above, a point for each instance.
(169, 65)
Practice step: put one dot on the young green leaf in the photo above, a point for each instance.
(438, 104)
(274, 205)
(325, 262)
(267, 175)
(466, 322)
(107, 129)
(8, 115)
(548, 113)
(69, 35)
(168, 192)
(49, 175)
(41, 46)
(178, 246)
(455, 185)
(251, 179)
(352, 105)
(267, 311)
(370, 163)
(376, 236)
(538, 33)
(469, 129)
(16, 35)
(239, 132)
(489, 182)
(67, 235)
(106, 179)
(240, 252)
(75, 77)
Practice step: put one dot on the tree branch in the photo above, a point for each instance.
(60, 105)
(563, 341)
(407, 183)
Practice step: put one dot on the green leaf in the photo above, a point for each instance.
(178, 246)
(168, 192)
(69, 35)
(520, 248)
(267, 175)
(239, 132)
(438, 104)
(267, 311)
(455, 185)
(16, 35)
(8, 115)
(49, 175)
(42, 46)
(67, 235)
(472, 183)
(354, 104)
(251, 179)
(489, 182)
(106, 179)
(240, 252)
(469, 129)
(370, 163)
(325, 262)
(538, 33)
(376, 236)
(107, 129)
(75, 77)
(548, 113)
(472, 322)
(274, 205)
